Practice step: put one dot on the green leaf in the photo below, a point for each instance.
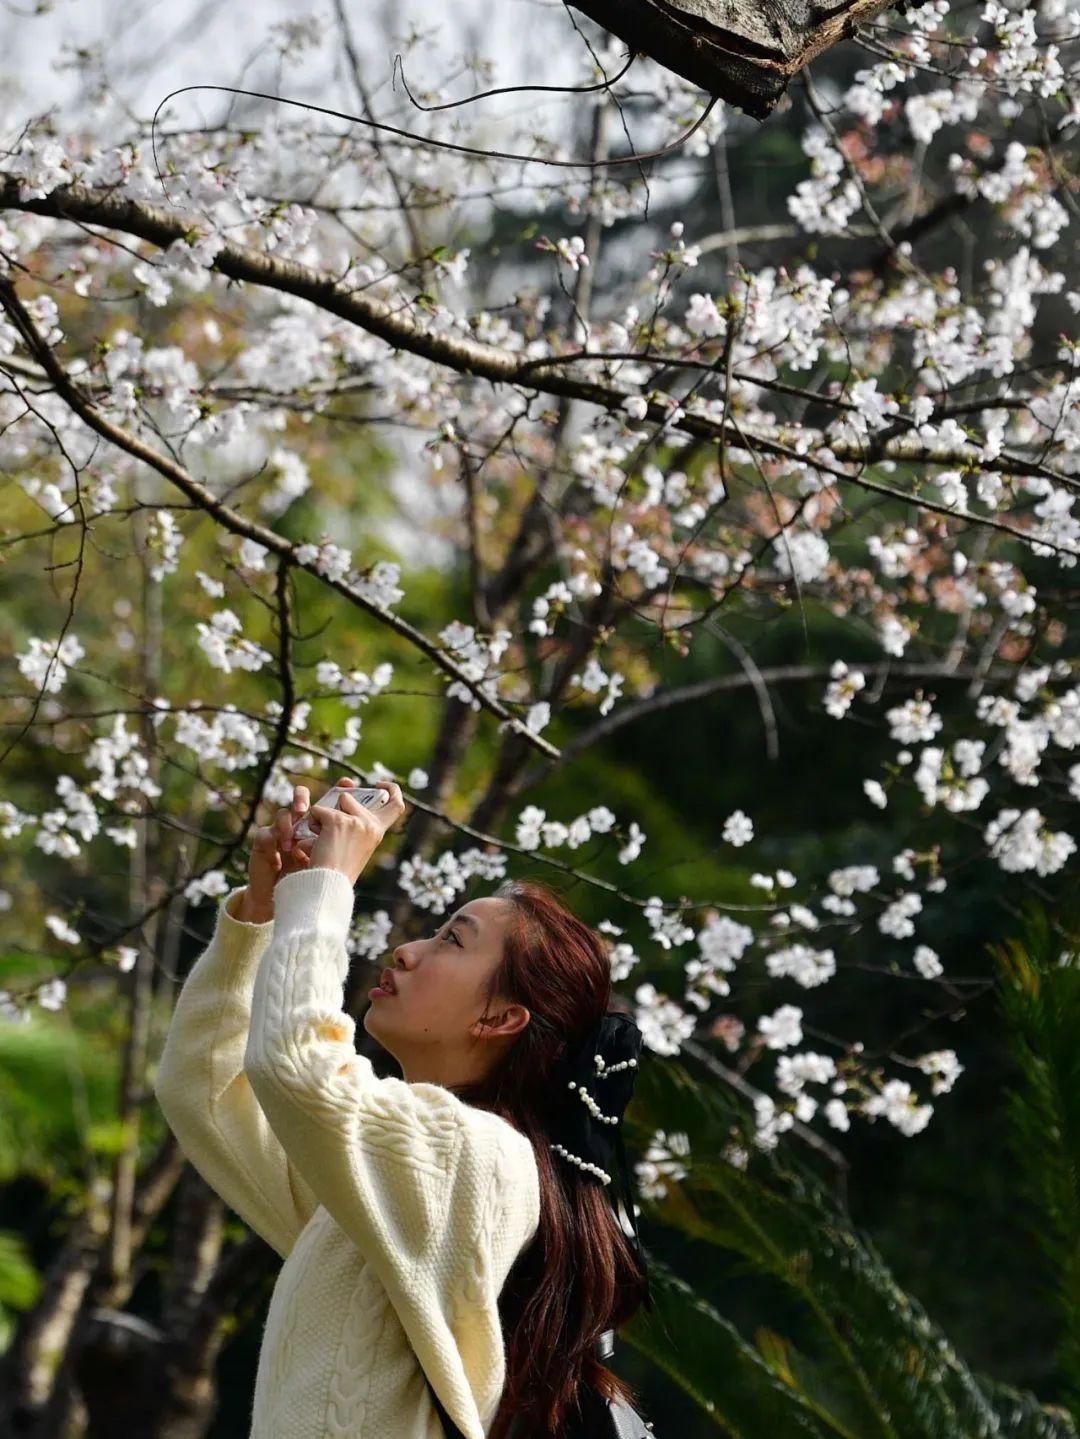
(1038, 990)
(704, 1354)
(857, 1356)
(20, 1283)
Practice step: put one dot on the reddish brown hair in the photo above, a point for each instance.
(579, 1275)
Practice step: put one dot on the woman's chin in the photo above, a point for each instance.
(371, 1015)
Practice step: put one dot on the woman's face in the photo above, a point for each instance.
(430, 1024)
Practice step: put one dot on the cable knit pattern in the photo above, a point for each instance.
(358, 1354)
(206, 1096)
(397, 1208)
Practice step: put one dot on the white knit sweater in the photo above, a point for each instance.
(397, 1208)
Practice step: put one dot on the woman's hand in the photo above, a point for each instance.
(274, 855)
(347, 837)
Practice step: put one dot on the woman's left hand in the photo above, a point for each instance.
(347, 837)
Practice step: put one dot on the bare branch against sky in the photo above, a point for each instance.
(167, 43)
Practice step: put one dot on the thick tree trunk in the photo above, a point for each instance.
(30, 1368)
(39, 1395)
(117, 1369)
(745, 51)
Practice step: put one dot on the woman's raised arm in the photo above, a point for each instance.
(201, 1085)
(206, 1097)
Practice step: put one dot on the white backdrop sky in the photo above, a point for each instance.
(155, 46)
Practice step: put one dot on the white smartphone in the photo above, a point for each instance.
(371, 798)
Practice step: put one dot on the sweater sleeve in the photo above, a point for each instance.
(438, 1196)
(206, 1097)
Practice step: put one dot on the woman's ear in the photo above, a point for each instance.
(505, 1023)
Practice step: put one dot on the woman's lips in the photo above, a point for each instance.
(385, 986)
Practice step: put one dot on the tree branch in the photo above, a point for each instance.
(702, 689)
(229, 518)
(480, 361)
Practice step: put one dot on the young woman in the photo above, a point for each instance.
(423, 1220)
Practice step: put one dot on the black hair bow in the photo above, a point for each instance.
(593, 1084)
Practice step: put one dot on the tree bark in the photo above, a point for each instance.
(744, 52)
(39, 1395)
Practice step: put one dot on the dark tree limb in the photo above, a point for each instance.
(745, 51)
(661, 700)
(466, 356)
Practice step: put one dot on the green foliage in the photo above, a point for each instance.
(704, 1354)
(860, 1358)
(59, 1083)
(19, 1282)
(1038, 974)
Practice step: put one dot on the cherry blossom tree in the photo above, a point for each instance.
(614, 433)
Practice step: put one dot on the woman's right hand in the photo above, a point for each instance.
(273, 855)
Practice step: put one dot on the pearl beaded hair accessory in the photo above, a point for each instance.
(592, 1086)
(602, 1072)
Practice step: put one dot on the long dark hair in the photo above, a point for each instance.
(579, 1276)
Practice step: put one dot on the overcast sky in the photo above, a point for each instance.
(156, 46)
(159, 45)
